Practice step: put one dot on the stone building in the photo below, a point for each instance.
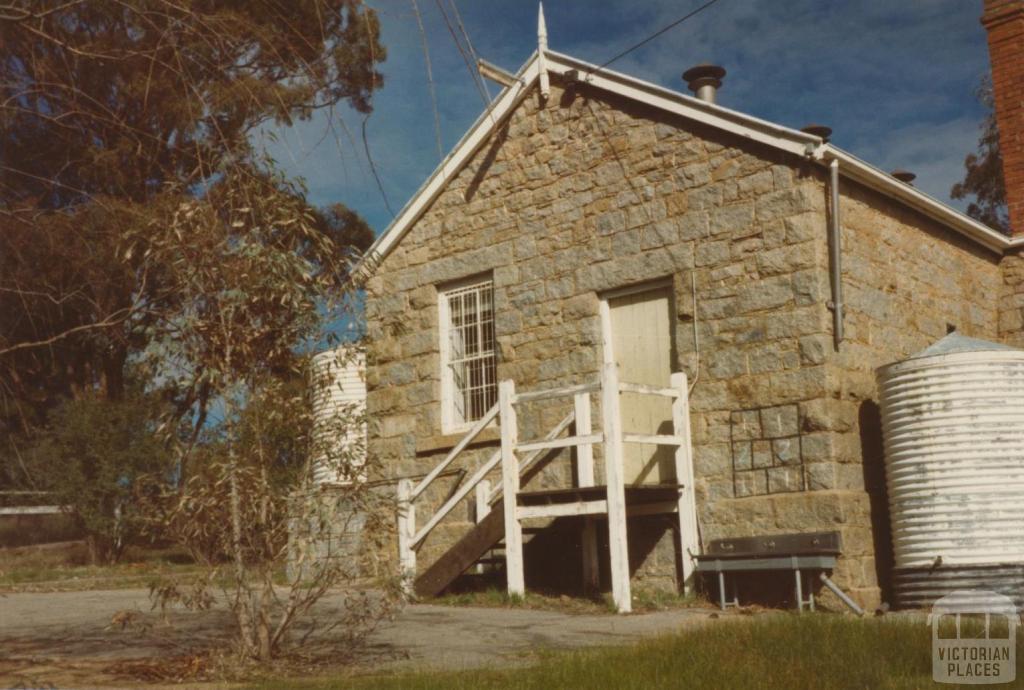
(587, 210)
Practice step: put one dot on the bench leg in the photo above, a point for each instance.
(799, 591)
(721, 588)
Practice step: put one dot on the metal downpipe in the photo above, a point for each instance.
(835, 256)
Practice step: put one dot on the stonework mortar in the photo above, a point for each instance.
(586, 193)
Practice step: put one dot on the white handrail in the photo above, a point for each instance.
(548, 393)
(443, 511)
(459, 447)
(492, 462)
(583, 438)
(567, 442)
(643, 388)
(529, 460)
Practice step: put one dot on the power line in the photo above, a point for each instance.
(469, 44)
(430, 80)
(474, 75)
(656, 34)
(373, 169)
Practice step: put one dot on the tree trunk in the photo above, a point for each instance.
(243, 598)
(93, 549)
(266, 649)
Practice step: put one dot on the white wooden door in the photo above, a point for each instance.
(640, 331)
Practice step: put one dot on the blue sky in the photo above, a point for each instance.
(895, 80)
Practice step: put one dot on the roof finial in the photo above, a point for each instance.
(542, 47)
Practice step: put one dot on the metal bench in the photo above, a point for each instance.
(800, 553)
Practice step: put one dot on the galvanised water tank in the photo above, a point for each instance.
(953, 422)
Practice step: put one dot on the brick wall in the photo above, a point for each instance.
(1004, 20)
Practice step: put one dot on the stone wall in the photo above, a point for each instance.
(1011, 300)
(588, 193)
(907, 281)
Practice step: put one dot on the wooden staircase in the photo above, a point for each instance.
(501, 519)
(460, 557)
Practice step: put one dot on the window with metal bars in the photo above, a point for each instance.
(468, 357)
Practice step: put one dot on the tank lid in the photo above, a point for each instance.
(954, 343)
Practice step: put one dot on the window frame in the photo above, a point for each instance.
(450, 423)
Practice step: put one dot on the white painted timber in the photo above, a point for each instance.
(616, 491)
(510, 485)
(450, 504)
(495, 73)
(406, 531)
(459, 447)
(655, 439)
(585, 452)
(648, 390)
(532, 457)
(584, 478)
(479, 133)
(483, 508)
(566, 442)
(689, 539)
(597, 507)
(550, 393)
(483, 492)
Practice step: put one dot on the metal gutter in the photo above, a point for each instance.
(868, 175)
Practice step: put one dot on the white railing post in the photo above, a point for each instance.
(689, 544)
(585, 476)
(483, 505)
(510, 486)
(618, 545)
(483, 509)
(406, 533)
(584, 452)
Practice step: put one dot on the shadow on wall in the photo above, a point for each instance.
(873, 453)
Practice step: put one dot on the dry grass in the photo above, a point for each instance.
(819, 652)
(64, 567)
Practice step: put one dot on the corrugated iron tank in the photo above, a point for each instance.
(339, 394)
(953, 424)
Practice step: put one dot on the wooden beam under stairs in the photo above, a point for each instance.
(462, 555)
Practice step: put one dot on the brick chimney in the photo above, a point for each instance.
(1004, 21)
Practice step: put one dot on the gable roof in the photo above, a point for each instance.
(740, 124)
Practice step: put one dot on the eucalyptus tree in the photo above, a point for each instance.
(112, 113)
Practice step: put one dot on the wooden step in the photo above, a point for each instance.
(462, 555)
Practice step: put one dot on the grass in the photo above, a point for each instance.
(644, 601)
(823, 652)
(65, 568)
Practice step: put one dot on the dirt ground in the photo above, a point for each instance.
(103, 638)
